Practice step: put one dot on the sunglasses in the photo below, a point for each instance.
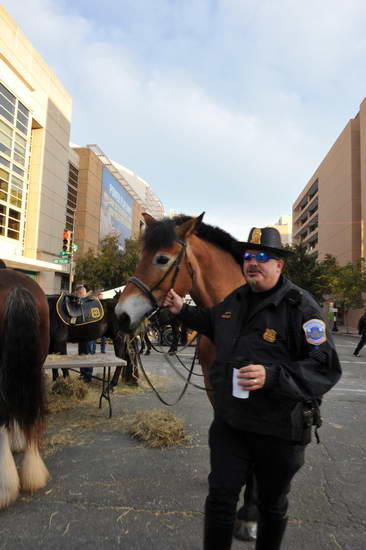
(261, 257)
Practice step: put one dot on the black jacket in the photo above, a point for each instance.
(272, 335)
(362, 324)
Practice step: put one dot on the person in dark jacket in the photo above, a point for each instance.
(362, 331)
(274, 361)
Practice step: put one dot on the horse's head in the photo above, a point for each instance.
(164, 263)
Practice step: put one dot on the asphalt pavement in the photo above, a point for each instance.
(108, 491)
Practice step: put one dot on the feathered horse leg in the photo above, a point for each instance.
(9, 479)
(33, 472)
(16, 437)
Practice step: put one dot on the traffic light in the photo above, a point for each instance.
(66, 246)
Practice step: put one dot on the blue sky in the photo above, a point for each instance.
(226, 106)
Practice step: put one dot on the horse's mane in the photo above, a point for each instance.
(162, 234)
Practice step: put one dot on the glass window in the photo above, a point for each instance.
(6, 129)
(6, 115)
(7, 94)
(4, 185)
(4, 148)
(18, 170)
(4, 161)
(6, 104)
(16, 192)
(22, 128)
(5, 143)
(13, 224)
(22, 119)
(23, 109)
(2, 219)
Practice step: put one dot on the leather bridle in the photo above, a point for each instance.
(175, 265)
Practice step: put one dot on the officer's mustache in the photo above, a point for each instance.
(254, 269)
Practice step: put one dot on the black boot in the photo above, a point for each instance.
(270, 532)
(216, 536)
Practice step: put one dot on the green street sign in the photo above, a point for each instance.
(61, 261)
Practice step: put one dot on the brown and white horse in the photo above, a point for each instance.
(24, 340)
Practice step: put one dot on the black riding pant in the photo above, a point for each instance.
(234, 453)
(361, 343)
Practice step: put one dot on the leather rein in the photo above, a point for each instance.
(175, 265)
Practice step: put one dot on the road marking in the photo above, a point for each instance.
(345, 346)
(354, 362)
(348, 389)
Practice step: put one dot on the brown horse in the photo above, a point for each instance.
(193, 258)
(24, 340)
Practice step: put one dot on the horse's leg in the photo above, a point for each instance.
(247, 516)
(115, 376)
(9, 479)
(33, 472)
(176, 333)
(16, 437)
(206, 356)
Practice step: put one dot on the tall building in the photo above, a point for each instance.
(46, 186)
(35, 112)
(106, 204)
(329, 214)
(284, 226)
(143, 192)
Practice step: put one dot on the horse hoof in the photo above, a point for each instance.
(245, 530)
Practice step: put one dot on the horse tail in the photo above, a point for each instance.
(21, 377)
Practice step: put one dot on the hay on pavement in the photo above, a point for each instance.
(157, 428)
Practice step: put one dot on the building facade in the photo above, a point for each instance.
(35, 113)
(105, 204)
(46, 186)
(329, 214)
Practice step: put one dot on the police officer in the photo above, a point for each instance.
(362, 332)
(274, 361)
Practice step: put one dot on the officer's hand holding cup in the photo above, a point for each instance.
(251, 377)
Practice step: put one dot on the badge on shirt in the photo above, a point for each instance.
(269, 335)
(226, 315)
(315, 332)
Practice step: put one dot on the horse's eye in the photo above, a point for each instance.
(162, 260)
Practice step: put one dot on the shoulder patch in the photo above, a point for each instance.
(315, 332)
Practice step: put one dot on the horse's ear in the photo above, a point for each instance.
(149, 220)
(187, 228)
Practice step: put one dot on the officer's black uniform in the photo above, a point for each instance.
(362, 331)
(267, 430)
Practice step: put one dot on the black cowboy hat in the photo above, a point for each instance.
(264, 238)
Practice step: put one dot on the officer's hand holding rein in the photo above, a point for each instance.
(252, 377)
(173, 301)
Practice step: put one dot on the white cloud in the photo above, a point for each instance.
(226, 107)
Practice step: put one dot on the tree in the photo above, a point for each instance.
(303, 269)
(348, 285)
(110, 267)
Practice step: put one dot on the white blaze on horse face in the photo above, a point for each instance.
(136, 306)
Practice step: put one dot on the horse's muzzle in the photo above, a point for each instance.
(124, 323)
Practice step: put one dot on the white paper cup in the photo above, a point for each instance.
(238, 391)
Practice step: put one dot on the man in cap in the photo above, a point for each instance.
(274, 361)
